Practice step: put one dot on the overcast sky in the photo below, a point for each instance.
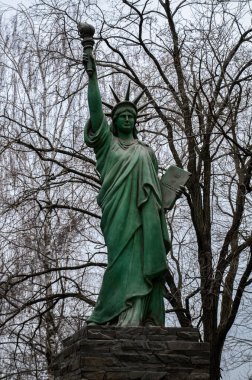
(14, 3)
(232, 375)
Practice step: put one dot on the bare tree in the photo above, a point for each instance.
(193, 61)
(49, 219)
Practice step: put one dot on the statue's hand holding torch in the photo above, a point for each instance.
(86, 32)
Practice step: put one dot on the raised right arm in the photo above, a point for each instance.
(94, 98)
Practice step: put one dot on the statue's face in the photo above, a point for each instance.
(125, 122)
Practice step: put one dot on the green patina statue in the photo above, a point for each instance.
(133, 222)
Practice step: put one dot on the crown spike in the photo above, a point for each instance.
(136, 100)
(114, 94)
(128, 92)
(108, 105)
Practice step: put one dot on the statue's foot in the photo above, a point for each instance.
(149, 323)
(132, 317)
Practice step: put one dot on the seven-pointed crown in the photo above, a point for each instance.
(125, 104)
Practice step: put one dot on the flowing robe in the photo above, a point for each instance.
(133, 226)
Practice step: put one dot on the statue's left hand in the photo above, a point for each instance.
(180, 192)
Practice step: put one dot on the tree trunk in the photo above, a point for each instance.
(215, 359)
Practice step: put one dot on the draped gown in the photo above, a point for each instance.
(133, 226)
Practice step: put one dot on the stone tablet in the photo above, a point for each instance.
(171, 181)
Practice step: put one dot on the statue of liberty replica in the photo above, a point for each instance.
(133, 222)
(132, 200)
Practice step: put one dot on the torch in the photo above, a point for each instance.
(86, 32)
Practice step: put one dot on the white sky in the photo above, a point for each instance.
(15, 3)
(240, 373)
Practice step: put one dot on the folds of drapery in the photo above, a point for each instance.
(132, 223)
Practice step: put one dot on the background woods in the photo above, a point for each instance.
(194, 62)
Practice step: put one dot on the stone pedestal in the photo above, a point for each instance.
(146, 353)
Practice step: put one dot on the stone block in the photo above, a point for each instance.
(93, 376)
(88, 347)
(175, 360)
(136, 375)
(144, 353)
(186, 335)
(199, 376)
(101, 335)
